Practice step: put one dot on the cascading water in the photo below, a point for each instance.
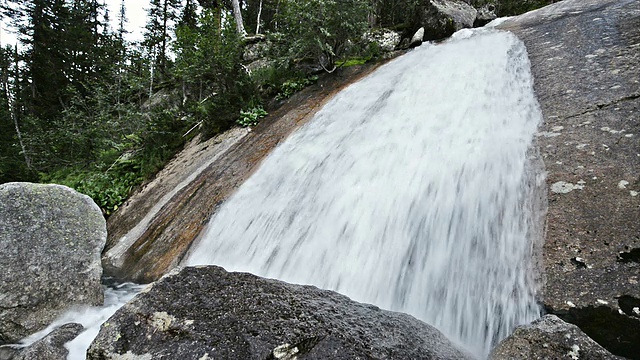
(91, 317)
(408, 190)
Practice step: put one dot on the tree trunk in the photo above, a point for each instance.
(163, 51)
(258, 20)
(238, 17)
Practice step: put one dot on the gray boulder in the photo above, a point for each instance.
(441, 18)
(51, 347)
(255, 51)
(549, 338)
(208, 313)
(51, 238)
(7, 352)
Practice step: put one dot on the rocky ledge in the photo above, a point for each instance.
(585, 57)
(208, 313)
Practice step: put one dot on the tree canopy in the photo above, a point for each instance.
(82, 106)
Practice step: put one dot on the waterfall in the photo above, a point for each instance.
(409, 190)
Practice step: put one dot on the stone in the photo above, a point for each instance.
(51, 347)
(416, 39)
(255, 51)
(7, 352)
(135, 250)
(208, 313)
(584, 58)
(549, 338)
(485, 15)
(387, 40)
(51, 238)
(259, 65)
(441, 18)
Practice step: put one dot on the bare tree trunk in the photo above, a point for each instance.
(238, 17)
(152, 71)
(276, 16)
(258, 20)
(163, 52)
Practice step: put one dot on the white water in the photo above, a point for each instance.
(408, 190)
(91, 317)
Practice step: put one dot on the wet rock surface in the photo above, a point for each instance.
(585, 59)
(549, 338)
(145, 208)
(51, 347)
(208, 313)
(51, 238)
(143, 245)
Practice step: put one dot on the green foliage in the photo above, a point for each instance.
(107, 183)
(108, 189)
(291, 87)
(269, 79)
(209, 64)
(353, 62)
(322, 30)
(251, 117)
(396, 14)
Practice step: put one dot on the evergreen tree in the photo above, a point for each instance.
(189, 16)
(13, 165)
(160, 15)
(322, 30)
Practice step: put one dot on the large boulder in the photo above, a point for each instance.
(549, 338)
(208, 313)
(51, 238)
(441, 18)
(585, 61)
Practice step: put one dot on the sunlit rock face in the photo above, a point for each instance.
(51, 238)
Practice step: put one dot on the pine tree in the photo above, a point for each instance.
(189, 16)
(160, 15)
(14, 166)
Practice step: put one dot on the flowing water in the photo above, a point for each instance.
(411, 190)
(91, 317)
